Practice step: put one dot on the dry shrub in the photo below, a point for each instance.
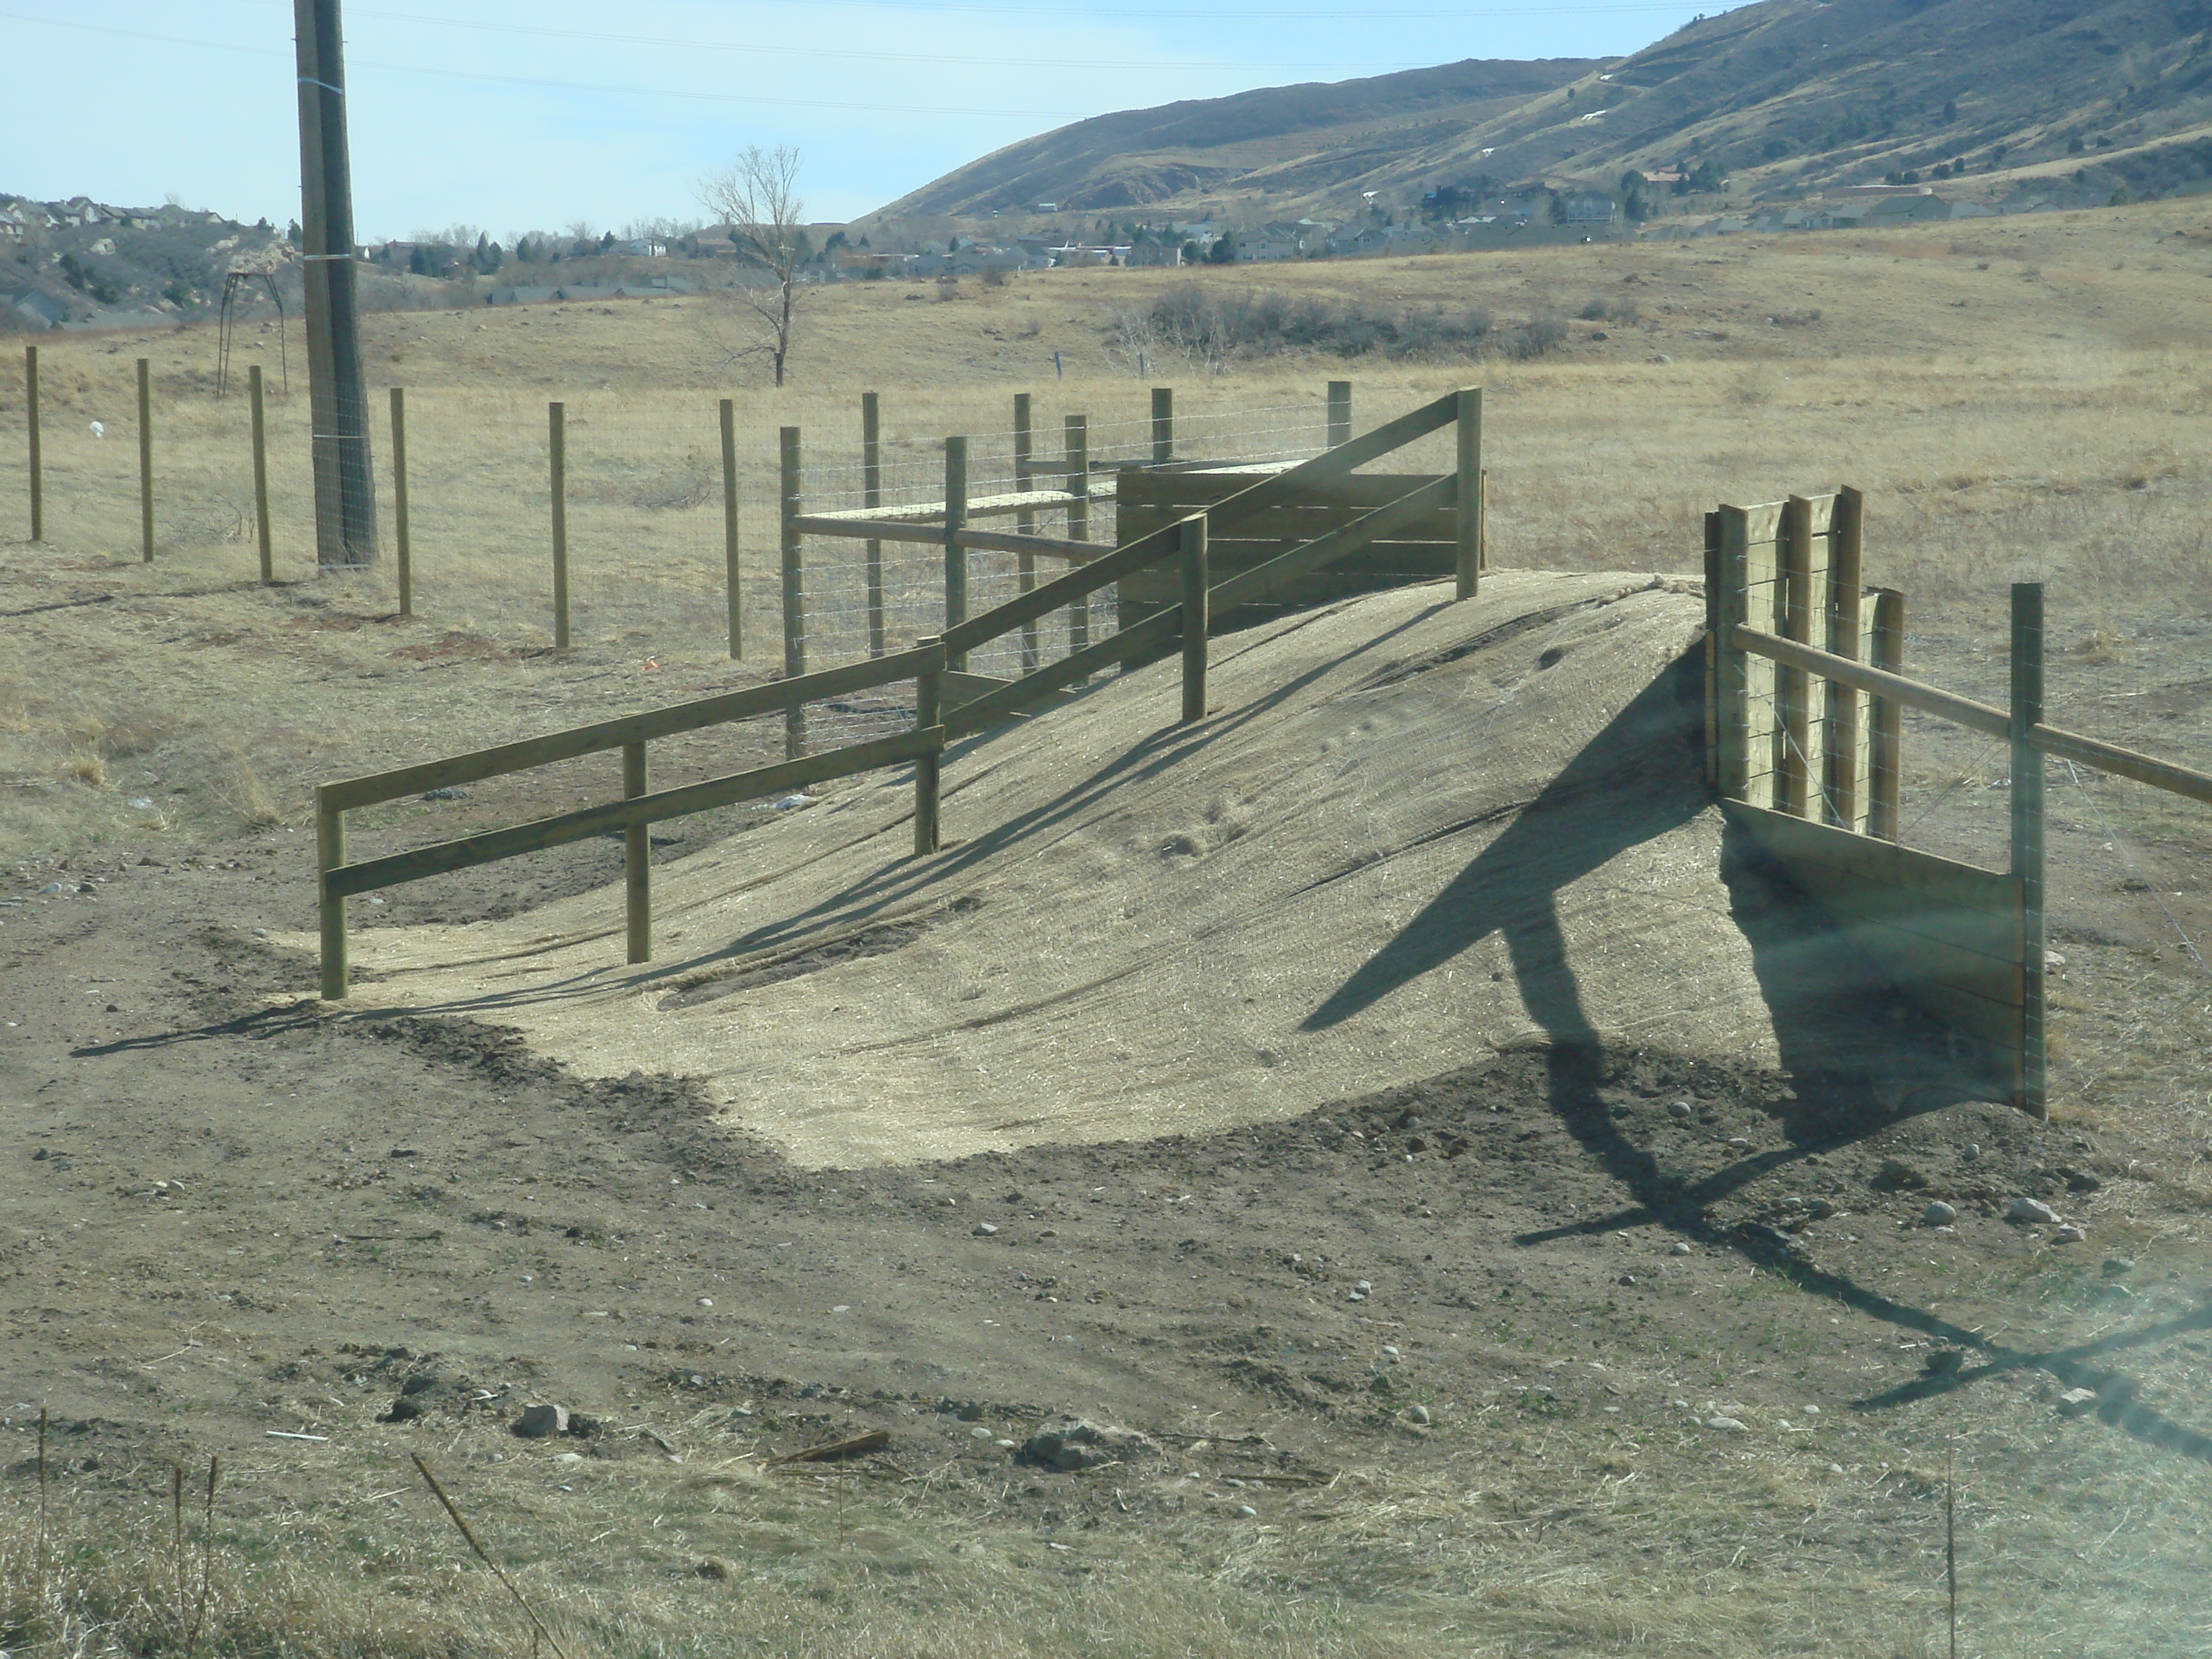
(256, 806)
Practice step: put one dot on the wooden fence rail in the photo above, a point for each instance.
(632, 816)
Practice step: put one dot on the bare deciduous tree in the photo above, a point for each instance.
(756, 196)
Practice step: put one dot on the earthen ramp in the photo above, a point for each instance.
(1410, 834)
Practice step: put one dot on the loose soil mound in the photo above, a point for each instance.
(1411, 835)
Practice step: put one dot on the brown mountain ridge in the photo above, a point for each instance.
(1786, 96)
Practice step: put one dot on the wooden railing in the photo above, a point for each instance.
(949, 702)
(639, 809)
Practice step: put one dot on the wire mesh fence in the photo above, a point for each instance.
(645, 521)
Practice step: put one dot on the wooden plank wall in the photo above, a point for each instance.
(1151, 499)
(1947, 935)
(1806, 748)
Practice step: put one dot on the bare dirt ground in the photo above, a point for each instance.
(1555, 1352)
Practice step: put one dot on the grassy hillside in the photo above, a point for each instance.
(1785, 95)
(1585, 1402)
(1307, 139)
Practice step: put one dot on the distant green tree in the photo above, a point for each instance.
(294, 234)
(1223, 250)
(1635, 205)
(1191, 253)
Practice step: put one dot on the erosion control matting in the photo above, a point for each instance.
(1411, 834)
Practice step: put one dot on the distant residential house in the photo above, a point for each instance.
(1368, 238)
(1875, 192)
(1153, 254)
(1726, 225)
(34, 310)
(1046, 207)
(1587, 207)
(1665, 176)
(1268, 245)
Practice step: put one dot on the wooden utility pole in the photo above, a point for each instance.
(345, 481)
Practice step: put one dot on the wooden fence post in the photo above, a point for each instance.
(146, 458)
(263, 538)
(1886, 722)
(637, 860)
(556, 426)
(1076, 435)
(955, 556)
(402, 534)
(1163, 425)
(928, 711)
(1712, 651)
(1846, 745)
(732, 584)
(871, 497)
(1793, 686)
(794, 584)
(2028, 863)
(1731, 698)
(1025, 524)
(1195, 620)
(1467, 504)
(330, 854)
(1339, 413)
(38, 479)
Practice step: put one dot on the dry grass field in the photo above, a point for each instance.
(354, 1207)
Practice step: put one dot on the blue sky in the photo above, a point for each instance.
(515, 115)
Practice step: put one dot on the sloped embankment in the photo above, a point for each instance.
(1411, 834)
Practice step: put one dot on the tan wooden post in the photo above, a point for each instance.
(38, 470)
(1025, 524)
(1712, 651)
(1163, 425)
(732, 584)
(262, 537)
(1467, 514)
(871, 497)
(2027, 825)
(1846, 745)
(1792, 686)
(637, 860)
(1195, 620)
(146, 458)
(1885, 722)
(928, 711)
(1731, 692)
(955, 556)
(402, 535)
(1339, 413)
(330, 854)
(1076, 435)
(557, 426)
(794, 583)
